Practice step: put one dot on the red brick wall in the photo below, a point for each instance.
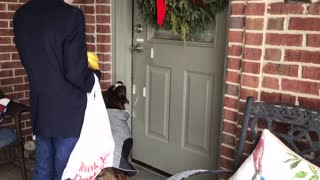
(273, 55)
(13, 78)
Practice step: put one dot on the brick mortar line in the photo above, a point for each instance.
(106, 62)
(300, 71)
(234, 57)
(249, 88)
(280, 77)
(229, 121)
(230, 109)
(231, 96)
(304, 95)
(4, 69)
(252, 61)
(6, 36)
(280, 15)
(233, 83)
(8, 60)
(308, 48)
(236, 29)
(291, 63)
(292, 78)
(103, 24)
(13, 77)
(102, 33)
(232, 135)
(226, 157)
(243, 101)
(237, 15)
(17, 91)
(255, 16)
(251, 74)
(235, 43)
(291, 32)
(253, 46)
(279, 46)
(286, 15)
(304, 39)
(107, 43)
(233, 70)
(228, 146)
(105, 81)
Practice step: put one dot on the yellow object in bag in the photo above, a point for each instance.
(93, 61)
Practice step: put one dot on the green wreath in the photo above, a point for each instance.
(185, 17)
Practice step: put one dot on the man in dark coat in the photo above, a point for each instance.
(50, 38)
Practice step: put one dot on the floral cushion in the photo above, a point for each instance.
(273, 160)
(3, 107)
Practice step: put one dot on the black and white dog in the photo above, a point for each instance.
(115, 100)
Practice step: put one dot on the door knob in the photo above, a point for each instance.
(138, 48)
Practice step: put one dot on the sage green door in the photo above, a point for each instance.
(176, 97)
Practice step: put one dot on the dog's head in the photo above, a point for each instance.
(116, 96)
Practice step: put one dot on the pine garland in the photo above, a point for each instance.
(185, 17)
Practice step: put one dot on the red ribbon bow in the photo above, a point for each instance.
(161, 11)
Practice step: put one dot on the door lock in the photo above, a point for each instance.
(139, 28)
(138, 48)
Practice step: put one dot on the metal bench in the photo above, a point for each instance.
(297, 127)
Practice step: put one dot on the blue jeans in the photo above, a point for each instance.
(52, 156)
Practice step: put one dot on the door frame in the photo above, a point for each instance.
(122, 55)
(121, 42)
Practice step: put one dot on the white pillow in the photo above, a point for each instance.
(273, 160)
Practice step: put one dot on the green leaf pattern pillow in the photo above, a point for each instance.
(273, 160)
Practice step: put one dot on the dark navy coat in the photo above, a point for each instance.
(50, 38)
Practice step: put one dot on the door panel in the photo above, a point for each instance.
(157, 103)
(177, 97)
(196, 118)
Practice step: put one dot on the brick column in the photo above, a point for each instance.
(273, 56)
(232, 79)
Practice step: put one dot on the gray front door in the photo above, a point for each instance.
(176, 97)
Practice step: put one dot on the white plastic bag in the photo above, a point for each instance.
(94, 149)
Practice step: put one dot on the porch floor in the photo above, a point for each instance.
(12, 172)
